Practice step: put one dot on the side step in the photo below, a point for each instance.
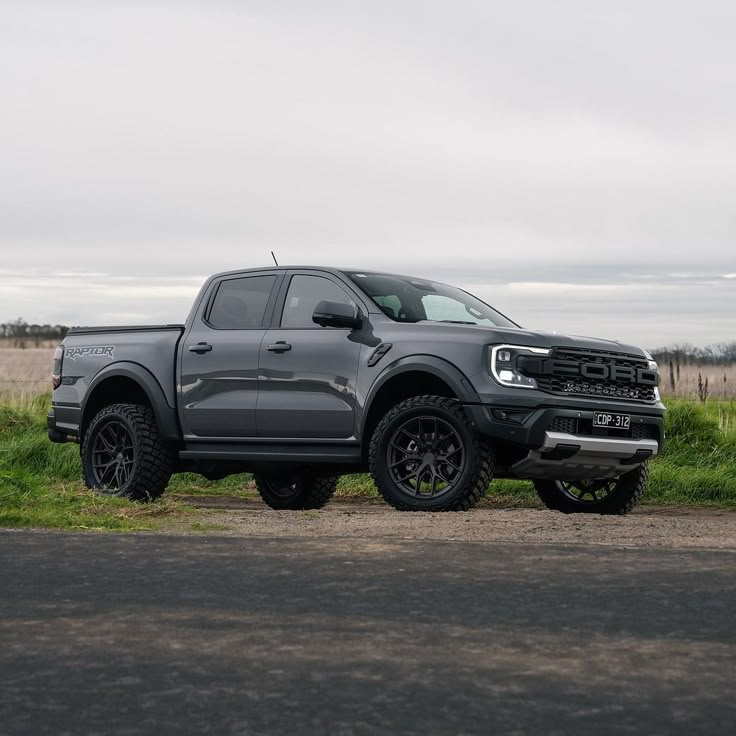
(272, 453)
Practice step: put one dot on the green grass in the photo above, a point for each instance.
(699, 462)
(40, 482)
(698, 466)
(191, 484)
(721, 412)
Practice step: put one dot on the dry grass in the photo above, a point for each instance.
(725, 414)
(24, 373)
(27, 343)
(27, 371)
(686, 387)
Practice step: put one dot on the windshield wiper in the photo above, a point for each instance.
(453, 321)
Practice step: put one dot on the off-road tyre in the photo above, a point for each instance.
(467, 486)
(626, 493)
(148, 464)
(295, 491)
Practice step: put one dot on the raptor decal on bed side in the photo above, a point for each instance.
(90, 351)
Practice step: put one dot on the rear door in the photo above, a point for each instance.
(307, 372)
(220, 353)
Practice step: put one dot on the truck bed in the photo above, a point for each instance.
(123, 328)
(145, 354)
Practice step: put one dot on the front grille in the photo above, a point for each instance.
(602, 388)
(584, 427)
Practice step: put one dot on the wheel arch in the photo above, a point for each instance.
(416, 375)
(130, 383)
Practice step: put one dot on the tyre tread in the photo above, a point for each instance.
(314, 490)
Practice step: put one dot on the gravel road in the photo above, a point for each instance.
(371, 519)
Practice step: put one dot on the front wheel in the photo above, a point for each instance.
(295, 490)
(610, 496)
(426, 455)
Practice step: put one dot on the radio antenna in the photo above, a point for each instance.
(274, 258)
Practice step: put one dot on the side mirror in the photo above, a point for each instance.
(337, 314)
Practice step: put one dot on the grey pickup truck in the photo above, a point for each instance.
(301, 374)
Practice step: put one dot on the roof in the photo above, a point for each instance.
(328, 269)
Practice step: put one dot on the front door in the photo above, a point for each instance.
(307, 372)
(219, 359)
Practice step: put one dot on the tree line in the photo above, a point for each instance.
(722, 353)
(22, 334)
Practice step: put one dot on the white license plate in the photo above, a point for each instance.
(612, 421)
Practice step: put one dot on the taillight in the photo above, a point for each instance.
(56, 369)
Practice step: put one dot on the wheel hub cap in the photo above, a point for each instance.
(426, 456)
(112, 456)
(587, 491)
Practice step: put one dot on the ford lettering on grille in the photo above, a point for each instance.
(600, 371)
(593, 373)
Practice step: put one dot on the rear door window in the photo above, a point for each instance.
(240, 304)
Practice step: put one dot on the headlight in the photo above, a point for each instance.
(653, 367)
(503, 365)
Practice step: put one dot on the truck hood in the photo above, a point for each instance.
(554, 339)
(533, 338)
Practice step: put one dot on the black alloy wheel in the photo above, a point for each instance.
(603, 496)
(123, 454)
(587, 491)
(425, 456)
(113, 457)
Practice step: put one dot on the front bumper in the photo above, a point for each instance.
(576, 457)
(535, 448)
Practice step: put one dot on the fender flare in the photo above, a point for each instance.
(439, 367)
(166, 418)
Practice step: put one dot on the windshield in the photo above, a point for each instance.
(406, 299)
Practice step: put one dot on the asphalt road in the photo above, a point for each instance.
(131, 634)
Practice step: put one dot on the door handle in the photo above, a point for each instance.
(279, 347)
(200, 347)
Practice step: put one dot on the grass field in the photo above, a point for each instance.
(721, 381)
(24, 373)
(26, 343)
(27, 371)
(40, 482)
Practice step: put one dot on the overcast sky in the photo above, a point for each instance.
(573, 163)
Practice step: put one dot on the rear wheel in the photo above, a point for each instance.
(295, 490)
(123, 455)
(610, 496)
(426, 455)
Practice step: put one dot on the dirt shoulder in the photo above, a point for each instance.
(647, 527)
